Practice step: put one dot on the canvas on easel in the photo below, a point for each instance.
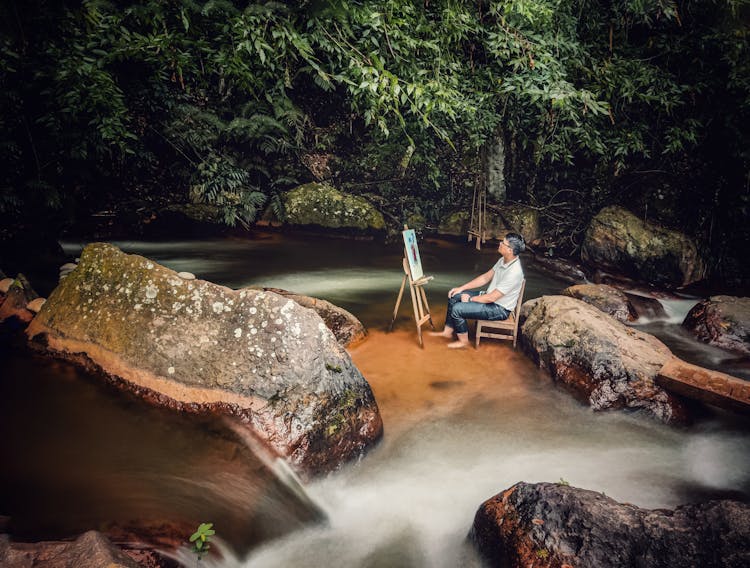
(413, 274)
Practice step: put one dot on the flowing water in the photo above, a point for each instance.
(460, 426)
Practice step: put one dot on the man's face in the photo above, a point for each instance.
(503, 247)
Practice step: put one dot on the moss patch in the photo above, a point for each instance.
(324, 206)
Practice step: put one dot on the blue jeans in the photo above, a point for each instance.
(459, 312)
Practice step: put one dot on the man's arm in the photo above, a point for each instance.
(488, 298)
(480, 280)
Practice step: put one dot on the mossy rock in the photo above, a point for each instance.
(200, 212)
(321, 205)
(619, 241)
(456, 224)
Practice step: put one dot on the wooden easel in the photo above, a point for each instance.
(478, 220)
(418, 299)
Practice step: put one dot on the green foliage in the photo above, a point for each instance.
(201, 539)
(617, 101)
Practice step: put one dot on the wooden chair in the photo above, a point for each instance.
(502, 329)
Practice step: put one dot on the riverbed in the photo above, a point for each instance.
(459, 426)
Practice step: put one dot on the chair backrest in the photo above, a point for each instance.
(517, 310)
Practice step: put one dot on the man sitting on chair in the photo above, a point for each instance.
(495, 303)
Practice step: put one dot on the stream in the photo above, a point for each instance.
(459, 427)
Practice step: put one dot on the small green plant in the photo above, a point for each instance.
(542, 554)
(563, 482)
(201, 539)
(334, 368)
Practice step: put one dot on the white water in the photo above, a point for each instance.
(461, 427)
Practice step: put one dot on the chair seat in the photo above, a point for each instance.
(496, 329)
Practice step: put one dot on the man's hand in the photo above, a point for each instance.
(453, 291)
(465, 298)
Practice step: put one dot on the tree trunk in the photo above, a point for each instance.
(494, 166)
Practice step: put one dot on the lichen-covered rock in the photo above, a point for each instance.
(603, 362)
(606, 298)
(323, 206)
(203, 347)
(348, 329)
(548, 525)
(723, 321)
(91, 549)
(619, 241)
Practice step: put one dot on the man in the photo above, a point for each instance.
(495, 303)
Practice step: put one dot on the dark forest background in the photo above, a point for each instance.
(125, 105)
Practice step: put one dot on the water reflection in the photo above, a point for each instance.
(459, 426)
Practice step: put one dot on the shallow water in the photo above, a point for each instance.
(460, 426)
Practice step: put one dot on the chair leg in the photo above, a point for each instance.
(477, 336)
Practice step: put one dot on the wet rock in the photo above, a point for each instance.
(606, 298)
(548, 525)
(619, 241)
(561, 268)
(14, 305)
(197, 346)
(91, 549)
(321, 205)
(345, 326)
(186, 275)
(646, 307)
(601, 361)
(66, 269)
(723, 321)
(5, 284)
(35, 305)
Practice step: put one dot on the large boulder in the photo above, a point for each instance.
(602, 362)
(548, 525)
(321, 205)
(723, 321)
(606, 298)
(345, 326)
(619, 241)
(194, 345)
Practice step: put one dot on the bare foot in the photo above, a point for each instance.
(458, 345)
(440, 334)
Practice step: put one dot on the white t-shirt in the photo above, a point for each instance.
(508, 278)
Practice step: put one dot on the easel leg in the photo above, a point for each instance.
(427, 306)
(398, 303)
(416, 313)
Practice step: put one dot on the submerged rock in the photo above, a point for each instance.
(548, 525)
(618, 240)
(321, 205)
(197, 346)
(606, 298)
(603, 362)
(723, 321)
